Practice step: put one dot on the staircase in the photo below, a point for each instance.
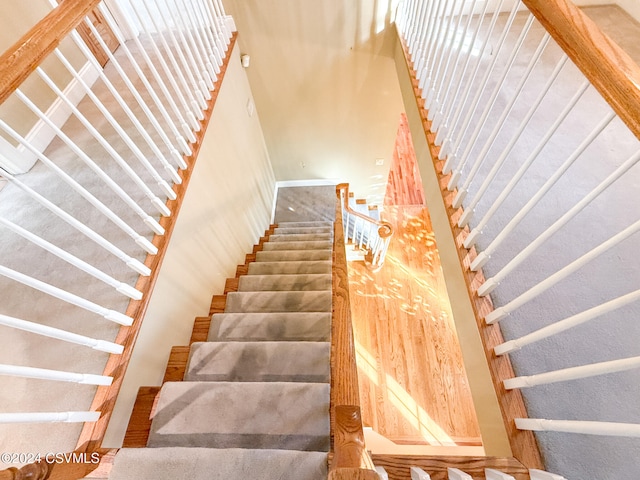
(254, 402)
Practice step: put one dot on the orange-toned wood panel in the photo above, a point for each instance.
(404, 186)
(523, 443)
(413, 384)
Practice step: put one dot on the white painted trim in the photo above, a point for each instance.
(275, 201)
(316, 182)
(12, 160)
(41, 135)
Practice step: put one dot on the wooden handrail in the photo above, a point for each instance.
(609, 68)
(22, 58)
(350, 460)
(385, 229)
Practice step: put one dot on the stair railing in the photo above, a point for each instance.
(516, 196)
(350, 459)
(363, 231)
(114, 191)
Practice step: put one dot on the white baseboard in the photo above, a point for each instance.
(41, 135)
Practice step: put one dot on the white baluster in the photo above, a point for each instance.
(418, 474)
(491, 283)
(147, 219)
(457, 474)
(567, 323)
(182, 144)
(489, 105)
(499, 123)
(58, 334)
(573, 373)
(491, 474)
(187, 132)
(123, 134)
(577, 426)
(540, 475)
(50, 417)
(484, 256)
(129, 261)
(196, 41)
(221, 15)
(121, 287)
(561, 274)
(55, 375)
(200, 91)
(211, 33)
(107, 212)
(464, 218)
(65, 296)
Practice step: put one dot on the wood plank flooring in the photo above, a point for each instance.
(413, 386)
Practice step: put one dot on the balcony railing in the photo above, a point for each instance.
(531, 116)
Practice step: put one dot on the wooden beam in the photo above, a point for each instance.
(609, 68)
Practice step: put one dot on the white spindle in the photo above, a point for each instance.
(196, 41)
(491, 283)
(146, 218)
(191, 108)
(501, 312)
(573, 373)
(484, 256)
(578, 426)
(567, 323)
(58, 334)
(457, 474)
(541, 475)
(491, 474)
(55, 375)
(181, 46)
(187, 132)
(433, 46)
(50, 417)
(121, 287)
(101, 207)
(199, 102)
(382, 473)
(480, 123)
(451, 145)
(219, 30)
(418, 474)
(180, 141)
(498, 124)
(65, 296)
(421, 66)
(469, 210)
(129, 261)
(210, 34)
(208, 52)
(139, 127)
(221, 15)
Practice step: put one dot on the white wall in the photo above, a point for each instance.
(226, 210)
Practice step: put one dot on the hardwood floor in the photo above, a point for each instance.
(413, 385)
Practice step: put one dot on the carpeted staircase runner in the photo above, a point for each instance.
(255, 400)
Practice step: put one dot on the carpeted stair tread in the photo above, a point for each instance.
(288, 231)
(293, 282)
(259, 362)
(301, 237)
(217, 464)
(286, 326)
(278, 302)
(302, 245)
(293, 255)
(276, 415)
(304, 224)
(289, 268)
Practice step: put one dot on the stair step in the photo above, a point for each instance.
(278, 302)
(259, 362)
(273, 415)
(293, 255)
(217, 464)
(289, 326)
(295, 282)
(301, 237)
(304, 224)
(289, 268)
(303, 230)
(302, 245)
